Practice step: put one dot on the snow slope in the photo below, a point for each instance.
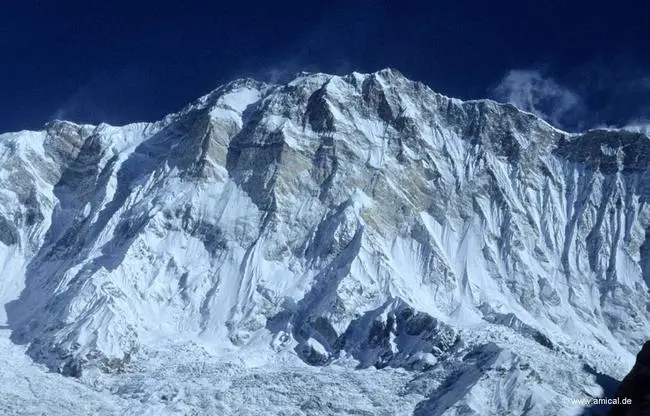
(355, 235)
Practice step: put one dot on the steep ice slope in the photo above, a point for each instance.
(362, 218)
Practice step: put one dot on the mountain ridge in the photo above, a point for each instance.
(360, 217)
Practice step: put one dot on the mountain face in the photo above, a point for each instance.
(635, 387)
(467, 256)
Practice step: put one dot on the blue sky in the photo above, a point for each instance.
(579, 64)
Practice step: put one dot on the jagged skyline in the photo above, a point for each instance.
(121, 62)
(294, 243)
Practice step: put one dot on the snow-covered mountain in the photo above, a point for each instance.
(333, 245)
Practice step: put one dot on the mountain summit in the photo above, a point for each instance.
(458, 257)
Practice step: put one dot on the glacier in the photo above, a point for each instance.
(354, 244)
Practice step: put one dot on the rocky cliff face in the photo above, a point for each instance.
(635, 387)
(360, 217)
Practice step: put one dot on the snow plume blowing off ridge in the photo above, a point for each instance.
(352, 244)
(596, 97)
(531, 91)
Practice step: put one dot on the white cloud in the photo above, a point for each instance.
(543, 96)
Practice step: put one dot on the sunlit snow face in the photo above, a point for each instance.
(345, 222)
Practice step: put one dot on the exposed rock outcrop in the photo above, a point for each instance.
(635, 387)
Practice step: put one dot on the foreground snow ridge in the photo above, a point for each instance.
(351, 244)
